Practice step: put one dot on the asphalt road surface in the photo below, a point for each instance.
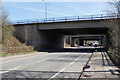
(47, 65)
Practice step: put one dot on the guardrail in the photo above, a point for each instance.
(69, 18)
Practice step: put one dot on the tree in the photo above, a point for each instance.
(6, 28)
(0, 22)
(26, 34)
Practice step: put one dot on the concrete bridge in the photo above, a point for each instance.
(50, 36)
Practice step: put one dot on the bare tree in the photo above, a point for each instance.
(26, 34)
(5, 26)
(0, 22)
(0, 27)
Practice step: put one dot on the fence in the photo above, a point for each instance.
(69, 18)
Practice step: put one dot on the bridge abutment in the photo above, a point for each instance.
(50, 41)
(41, 40)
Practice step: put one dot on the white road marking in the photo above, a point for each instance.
(66, 53)
(42, 60)
(73, 61)
(9, 70)
(58, 73)
(4, 72)
(63, 69)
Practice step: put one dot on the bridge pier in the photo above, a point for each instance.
(50, 41)
(41, 40)
(72, 42)
(108, 41)
(67, 39)
(81, 42)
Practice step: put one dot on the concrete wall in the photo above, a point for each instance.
(29, 31)
(50, 41)
(42, 40)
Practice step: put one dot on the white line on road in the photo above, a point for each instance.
(42, 60)
(9, 70)
(64, 68)
(73, 61)
(58, 73)
(66, 53)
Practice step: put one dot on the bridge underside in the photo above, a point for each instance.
(54, 39)
(78, 31)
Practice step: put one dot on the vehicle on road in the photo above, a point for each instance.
(96, 43)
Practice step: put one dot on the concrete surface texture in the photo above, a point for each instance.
(76, 65)
(41, 40)
(73, 25)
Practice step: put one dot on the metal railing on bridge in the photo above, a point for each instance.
(69, 18)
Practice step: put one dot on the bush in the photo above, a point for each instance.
(115, 58)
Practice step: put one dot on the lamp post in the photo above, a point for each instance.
(45, 9)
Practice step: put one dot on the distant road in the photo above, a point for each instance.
(47, 65)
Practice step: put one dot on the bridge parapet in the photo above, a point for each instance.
(69, 18)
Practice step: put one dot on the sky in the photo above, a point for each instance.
(36, 10)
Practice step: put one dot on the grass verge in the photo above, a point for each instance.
(12, 54)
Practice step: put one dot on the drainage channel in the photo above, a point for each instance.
(86, 66)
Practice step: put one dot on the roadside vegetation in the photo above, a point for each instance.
(10, 44)
(114, 32)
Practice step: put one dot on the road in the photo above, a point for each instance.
(47, 65)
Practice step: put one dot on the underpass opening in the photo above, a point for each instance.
(85, 42)
(76, 40)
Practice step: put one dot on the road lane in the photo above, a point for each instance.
(51, 65)
(23, 61)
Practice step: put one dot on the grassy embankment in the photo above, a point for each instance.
(11, 45)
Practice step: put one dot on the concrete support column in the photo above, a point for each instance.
(103, 39)
(77, 41)
(108, 41)
(81, 42)
(85, 42)
(50, 41)
(72, 42)
(67, 39)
